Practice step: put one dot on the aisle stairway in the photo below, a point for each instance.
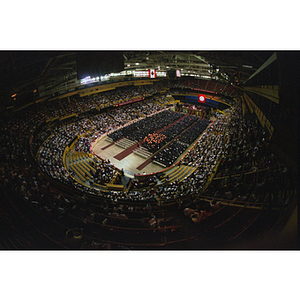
(143, 152)
(125, 143)
(178, 173)
(79, 163)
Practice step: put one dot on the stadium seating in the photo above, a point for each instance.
(47, 186)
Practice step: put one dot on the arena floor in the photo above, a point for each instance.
(129, 164)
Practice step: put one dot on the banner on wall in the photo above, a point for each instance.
(201, 98)
(152, 73)
(204, 91)
(129, 101)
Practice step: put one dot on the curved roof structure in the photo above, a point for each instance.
(26, 72)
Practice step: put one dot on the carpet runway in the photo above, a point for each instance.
(125, 159)
(126, 152)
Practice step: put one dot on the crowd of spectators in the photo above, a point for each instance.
(144, 195)
(215, 86)
(101, 100)
(169, 154)
(143, 181)
(170, 132)
(207, 152)
(248, 171)
(122, 117)
(86, 104)
(140, 129)
(18, 172)
(186, 85)
(247, 146)
(50, 154)
(83, 144)
(103, 122)
(113, 96)
(54, 109)
(194, 131)
(198, 110)
(84, 130)
(104, 172)
(240, 143)
(200, 210)
(173, 191)
(70, 105)
(154, 138)
(149, 107)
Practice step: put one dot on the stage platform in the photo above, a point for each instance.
(129, 163)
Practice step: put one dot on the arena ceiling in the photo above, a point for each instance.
(226, 65)
(23, 72)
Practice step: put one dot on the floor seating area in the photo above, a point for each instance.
(143, 152)
(125, 143)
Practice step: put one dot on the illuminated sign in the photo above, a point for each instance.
(140, 73)
(201, 98)
(178, 73)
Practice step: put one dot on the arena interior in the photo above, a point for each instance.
(148, 150)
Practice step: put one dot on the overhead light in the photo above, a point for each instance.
(14, 95)
(136, 64)
(247, 66)
(128, 65)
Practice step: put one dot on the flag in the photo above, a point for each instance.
(152, 73)
(201, 98)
